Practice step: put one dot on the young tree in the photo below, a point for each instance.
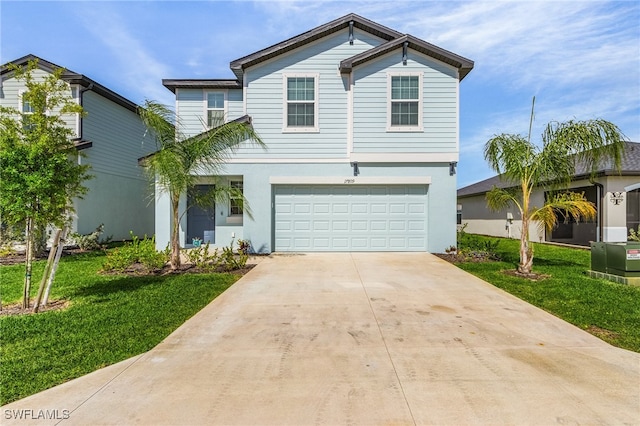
(39, 171)
(173, 165)
(550, 167)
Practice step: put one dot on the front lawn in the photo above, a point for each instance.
(110, 318)
(608, 310)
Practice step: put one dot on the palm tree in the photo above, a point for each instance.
(173, 165)
(528, 167)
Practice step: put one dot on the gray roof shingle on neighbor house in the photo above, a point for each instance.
(72, 77)
(630, 167)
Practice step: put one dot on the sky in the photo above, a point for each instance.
(580, 59)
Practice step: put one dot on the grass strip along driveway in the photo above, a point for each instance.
(608, 310)
(109, 319)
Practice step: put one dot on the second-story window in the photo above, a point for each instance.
(215, 109)
(26, 110)
(405, 102)
(301, 103)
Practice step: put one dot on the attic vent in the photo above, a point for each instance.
(351, 32)
(404, 52)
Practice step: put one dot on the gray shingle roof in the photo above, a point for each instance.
(630, 167)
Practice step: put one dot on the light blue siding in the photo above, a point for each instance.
(190, 110)
(235, 105)
(265, 99)
(120, 193)
(440, 100)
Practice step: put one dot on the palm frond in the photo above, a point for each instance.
(571, 205)
(499, 198)
(589, 142)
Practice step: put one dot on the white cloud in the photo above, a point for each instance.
(138, 70)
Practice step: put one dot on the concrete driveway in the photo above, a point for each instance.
(358, 339)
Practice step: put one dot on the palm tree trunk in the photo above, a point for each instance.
(526, 251)
(175, 233)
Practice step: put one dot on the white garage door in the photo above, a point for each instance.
(350, 217)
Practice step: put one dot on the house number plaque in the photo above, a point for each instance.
(616, 198)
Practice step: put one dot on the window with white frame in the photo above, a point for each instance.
(405, 102)
(235, 204)
(26, 110)
(215, 109)
(301, 102)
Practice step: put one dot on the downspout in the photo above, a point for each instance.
(80, 100)
(599, 199)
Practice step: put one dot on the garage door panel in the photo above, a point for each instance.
(347, 217)
(340, 208)
(359, 208)
(321, 208)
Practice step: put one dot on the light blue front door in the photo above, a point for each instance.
(350, 217)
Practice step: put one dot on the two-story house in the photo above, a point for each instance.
(361, 127)
(112, 137)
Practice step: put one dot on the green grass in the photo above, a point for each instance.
(612, 310)
(110, 318)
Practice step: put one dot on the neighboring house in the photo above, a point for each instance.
(361, 127)
(615, 194)
(110, 136)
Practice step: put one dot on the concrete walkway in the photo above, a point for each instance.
(358, 339)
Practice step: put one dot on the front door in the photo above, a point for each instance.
(200, 220)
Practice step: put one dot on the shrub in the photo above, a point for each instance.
(634, 235)
(90, 241)
(201, 258)
(136, 252)
(471, 246)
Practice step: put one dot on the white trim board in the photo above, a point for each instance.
(349, 180)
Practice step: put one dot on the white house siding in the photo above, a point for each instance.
(12, 89)
(440, 110)
(119, 194)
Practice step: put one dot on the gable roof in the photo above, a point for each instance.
(394, 40)
(71, 78)
(630, 166)
(464, 65)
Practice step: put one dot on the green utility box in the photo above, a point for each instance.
(599, 257)
(623, 259)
